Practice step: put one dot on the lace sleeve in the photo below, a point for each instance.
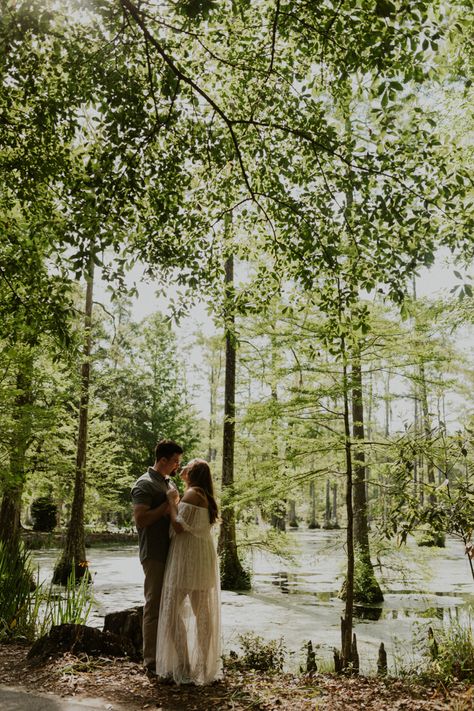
(190, 517)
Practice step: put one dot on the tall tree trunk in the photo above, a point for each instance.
(444, 474)
(432, 537)
(292, 520)
(417, 487)
(215, 364)
(348, 657)
(346, 622)
(233, 576)
(369, 437)
(367, 589)
(10, 509)
(312, 522)
(430, 469)
(211, 452)
(74, 552)
(334, 519)
(384, 478)
(327, 507)
(277, 505)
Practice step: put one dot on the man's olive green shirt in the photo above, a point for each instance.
(154, 540)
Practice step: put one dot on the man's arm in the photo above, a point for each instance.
(145, 516)
(173, 498)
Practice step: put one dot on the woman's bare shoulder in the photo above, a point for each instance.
(195, 497)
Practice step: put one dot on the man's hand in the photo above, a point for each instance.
(145, 516)
(173, 496)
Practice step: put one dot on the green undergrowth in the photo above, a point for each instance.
(271, 657)
(257, 654)
(451, 652)
(444, 655)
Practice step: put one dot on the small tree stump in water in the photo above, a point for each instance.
(354, 655)
(127, 625)
(432, 644)
(350, 665)
(311, 666)
(382, 661)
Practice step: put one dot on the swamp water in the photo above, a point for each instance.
(297, 600)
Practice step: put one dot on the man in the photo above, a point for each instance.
(151, 514)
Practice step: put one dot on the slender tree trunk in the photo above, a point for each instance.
(74, 552)
(214, 380)
(367, 590)
(346, 622)
(369, 437)
(417, 485)
(334, 519)
(440, 430)
(312, 522)
(327, 508)
(10, 509)
(433, 537)
(387, 405)
(277, 505)
(212, 414)
(348, 660)
(416, 488)
(444, 474)
(361, 529)
(430, 470)
(384, 478)
(233, 576)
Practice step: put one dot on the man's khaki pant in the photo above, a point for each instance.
(154, 572)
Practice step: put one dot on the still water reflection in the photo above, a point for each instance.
(298, 600)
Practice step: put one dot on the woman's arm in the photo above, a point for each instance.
(190, 497)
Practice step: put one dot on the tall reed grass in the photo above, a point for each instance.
(28, 608)
(16, 589)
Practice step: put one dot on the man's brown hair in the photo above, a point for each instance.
(166, 448)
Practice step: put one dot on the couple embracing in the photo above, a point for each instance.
(181, 615)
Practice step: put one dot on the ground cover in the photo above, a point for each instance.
(123, 682)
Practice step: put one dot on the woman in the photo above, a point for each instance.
(188, 642)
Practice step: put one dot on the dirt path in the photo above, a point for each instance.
(19, 699)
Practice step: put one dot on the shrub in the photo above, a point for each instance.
(452, 653)
(257, 654)
(44, 514)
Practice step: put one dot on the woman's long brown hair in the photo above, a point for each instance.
(200, 477)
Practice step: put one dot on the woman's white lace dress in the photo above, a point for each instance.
(189, 634)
